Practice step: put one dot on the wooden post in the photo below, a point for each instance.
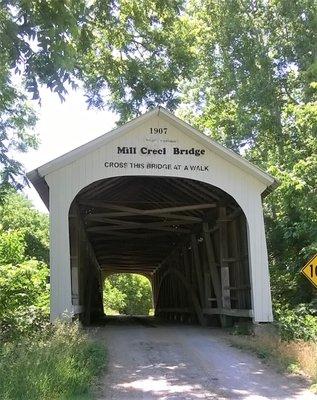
(153, 279)
(88, 295)
(240, 227)
(224, 266)
(212, 264)
(186, 264)
(198, 269)
(205, 275)
(74, 257)
(207, 289)
(238, 278)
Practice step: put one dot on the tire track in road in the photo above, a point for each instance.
(151, 361)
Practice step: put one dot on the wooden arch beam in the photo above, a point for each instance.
(192, 294)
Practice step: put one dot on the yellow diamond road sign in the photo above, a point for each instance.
(310, 270)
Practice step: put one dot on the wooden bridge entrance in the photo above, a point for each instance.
(158, 197)
(188, 237)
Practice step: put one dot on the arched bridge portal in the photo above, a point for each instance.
(188, 237)
(158, 197)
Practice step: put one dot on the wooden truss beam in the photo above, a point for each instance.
(212, 264)
(224, 267)
(229, 312)
(145, 225)
(137, 211)
(126, 235)
(111, 229)
(101, 216)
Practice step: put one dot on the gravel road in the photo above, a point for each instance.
(149, 361)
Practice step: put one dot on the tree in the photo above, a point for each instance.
(244, 72)
(255, 91)
(24, 289)
(129, 294)
(138, 51)
(24, 297)
(23, 230)
(249, 68)
(118, 48)
(36, 40)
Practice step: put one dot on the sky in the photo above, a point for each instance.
(61, 128)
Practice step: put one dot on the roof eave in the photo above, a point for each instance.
(270, 188)
(40, 185)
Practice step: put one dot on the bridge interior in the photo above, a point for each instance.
(188, 237)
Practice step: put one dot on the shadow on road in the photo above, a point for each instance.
(150, 359)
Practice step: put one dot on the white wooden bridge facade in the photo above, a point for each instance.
(157, 197)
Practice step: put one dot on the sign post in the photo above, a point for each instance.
(310, 270)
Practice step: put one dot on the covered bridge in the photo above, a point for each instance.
(157, 197)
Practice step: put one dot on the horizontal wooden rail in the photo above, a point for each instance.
(229, 312)
(186, 310)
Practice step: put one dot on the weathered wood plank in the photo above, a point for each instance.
(224, 267)
(176, 310)
(127, 214)
(186, 264)
(198, 268)
(212, 264)
(229, 312)
(107, 229)
(133, 211)
(130, 235)
(145, 225)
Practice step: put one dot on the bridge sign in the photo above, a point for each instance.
(310, 270)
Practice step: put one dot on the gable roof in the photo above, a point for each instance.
(37, 175)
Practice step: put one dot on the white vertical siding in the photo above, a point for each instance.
(66, 182)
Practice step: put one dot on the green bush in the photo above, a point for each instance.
(115, 300)
(129, 294)
(12, 247)
(18, 217)
(24, 297)
(299, 323)
(37, 361)
(56, 363)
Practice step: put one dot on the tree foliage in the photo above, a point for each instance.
(24, 289)
(254, 59)
(120, 48)
(136, 53)
(24, 297)
(38, 47)
(254, 90)
(244, 72)
(129, 294)
(23, 230)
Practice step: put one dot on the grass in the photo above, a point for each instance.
(293, 356)
(58, 363)
(110, 311)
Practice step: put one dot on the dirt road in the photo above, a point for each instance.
(185, 362)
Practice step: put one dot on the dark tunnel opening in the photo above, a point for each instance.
(188, 237)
